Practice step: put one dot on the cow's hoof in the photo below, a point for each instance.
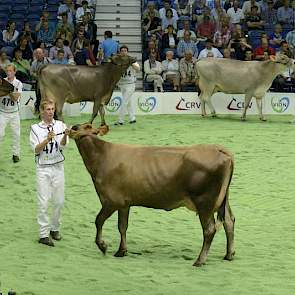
(243, 119)
(120, 253)
(102, 247)
(198, 263)
(214, 115)
(229, 256)
(263, 119)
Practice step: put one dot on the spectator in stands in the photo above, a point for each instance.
(64, 34)
(209, 48)
(4, 62)
(91, 5)
(281, 81)
(269, 15)
(248, 55)
(44, 18)
(253, 20)
(264, 51)
(263, 5)
(284, 49)
(166, 6)
(235, 13)
(10, 35)
(183, 7)
(82, 11)
(58, 45)
(63, 23)
(77, 44)
(60, 58)
(152, 71)
(185, 44)
(27, 52)
(186, 28)
(198, 8)
(239, 46)
(90, 28)
(150, 9)
(69, 8)
(151, 48)
(228, 4)
(188, 70)
(22, 66)
(221, 37)
(247, 7)
(46, 35)
(170, 68)
(226, 53)
(169, 40)
(206, 28)
(276, 38)
(285, 14)
(108, 47)
(40, 45)
(217, 12)
(290, 38)
(82, 57)
(168, 19)
(151, 24)
(29, 34)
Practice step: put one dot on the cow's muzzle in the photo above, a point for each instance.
(76, 127)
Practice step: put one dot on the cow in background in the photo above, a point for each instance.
(196, 177)
(5, 87)
(252, 78)
(72, 83)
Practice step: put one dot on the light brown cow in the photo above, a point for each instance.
(5, 87)
(197, 177)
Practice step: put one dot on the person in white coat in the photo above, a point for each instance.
(9, 112)
(48, 139)
(127, 88)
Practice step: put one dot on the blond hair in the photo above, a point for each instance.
(44, 103)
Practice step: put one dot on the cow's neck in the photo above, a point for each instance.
(274, 69)
(117, 71)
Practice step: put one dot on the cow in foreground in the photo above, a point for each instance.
(252, 78)
(72, 83)
(196, 177)
(5, 87)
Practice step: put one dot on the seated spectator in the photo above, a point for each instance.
(264, 51)
(226, 53)
(248, 55)
(216, 53)
(150, 9)
(90, 28)
(276, 38)
(228, 4)
(22, 66)
(169, 40)
(183, 7)
(285, 14)
(64, 34)
(46, 34)
(221, 37)
(58, 45)
(168, 19)
(63, 23)
(152, 47)
(269, 15)
(152, 71)
(253, 20)
(290, 38)
(239, 47)
(281, 81)
(4, 61)
(108, 46)
(185, 44)
(217, 12)
(284, 49)
(238, 31)
(166, 6)
(10, 35)
(247, 7)
(263, 5)
(170, 68)
(198, 8)
(151, 25)
(40, 45)
(91, 5)
(186, 28)
(38, 62)
(188, 70)
(29, 34)
(25, 48)
(235, 13)
(60, 58)
(68, 7)
(82, 56)
(77, 44)
(82, 11)
(206, 28)
(44, 18)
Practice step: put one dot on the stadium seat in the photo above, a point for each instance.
(37, 2)
(2, 25)
(5, 8)
(17, 17)
(52, 8)
(33, 17)
(21, 8)
(21, 2)
(148, 86)
(35, 9)
(53, 2)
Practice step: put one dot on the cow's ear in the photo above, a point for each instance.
(272, 58)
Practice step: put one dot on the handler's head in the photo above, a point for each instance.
(47, 108)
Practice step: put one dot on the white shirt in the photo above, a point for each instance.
(235, 16)
(162, 13)
(247, 7)
(7, 105)
(129, 76)
(52, 152)
(215, 52)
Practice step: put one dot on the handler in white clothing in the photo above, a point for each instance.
(127, 87)
(9, 112)
(47, 139)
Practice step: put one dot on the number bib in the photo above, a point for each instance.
(8, 105)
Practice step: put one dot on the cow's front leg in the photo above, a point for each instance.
(229, 222)
(96, 105)
(208, 225)
(101, 217)
(259, 107)
(248, 98)
(123, 215)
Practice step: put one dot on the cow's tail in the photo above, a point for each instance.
(221, 210)
(38, 91)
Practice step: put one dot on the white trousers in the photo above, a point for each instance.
(50, 186)
(128, 103)
(13, 120)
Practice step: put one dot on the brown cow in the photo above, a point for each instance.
(5, 87)
(68, 83)
(197, 177)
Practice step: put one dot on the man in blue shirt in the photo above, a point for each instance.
(108, 47)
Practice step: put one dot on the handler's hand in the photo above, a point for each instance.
(50, 135)
(67, 131)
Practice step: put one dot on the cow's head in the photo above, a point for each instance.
(122, 60)
(5, 87)
(80, 130)
(283, 59)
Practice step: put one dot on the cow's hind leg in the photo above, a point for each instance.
(101, 217)
(96, 106)
(209, 229)
(123, 215)
(259, 107)
(248, 98)
(229, 222)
